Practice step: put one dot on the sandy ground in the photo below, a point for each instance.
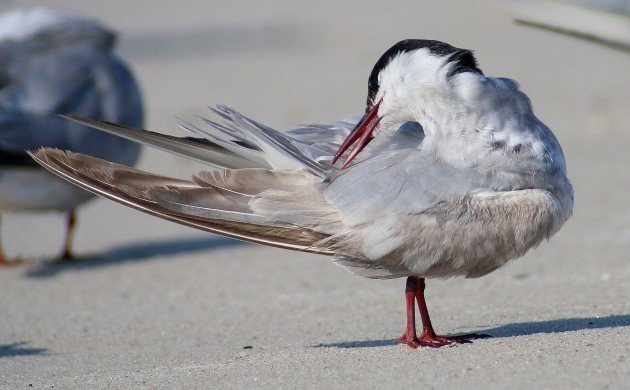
(161, 306)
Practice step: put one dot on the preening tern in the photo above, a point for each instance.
(450, 174)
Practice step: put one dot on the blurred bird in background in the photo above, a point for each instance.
(58, 62)
(603, 22)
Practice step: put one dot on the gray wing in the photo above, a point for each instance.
(391, 206)
(398, 182)
(68, 69)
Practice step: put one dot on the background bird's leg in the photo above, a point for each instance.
(428, 338)
(71, 221)
(410, 336)
(2, 259)
(5, 261)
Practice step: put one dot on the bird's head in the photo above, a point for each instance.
(406, 76)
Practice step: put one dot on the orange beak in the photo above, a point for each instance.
(361, 134)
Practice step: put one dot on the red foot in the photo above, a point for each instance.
(11, 263)
(415, 289)
(66, 255)
(414, 343)
(431, 341)
(427, 339)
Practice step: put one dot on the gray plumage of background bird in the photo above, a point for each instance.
(58, 62)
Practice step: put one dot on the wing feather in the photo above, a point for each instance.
(98, 176)
(192, 148)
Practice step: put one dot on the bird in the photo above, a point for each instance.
(447, 173)
(58, 62)
(605, 23)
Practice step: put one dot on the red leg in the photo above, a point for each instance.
(415, 290)
(428, 338)
(3, 260)
(410, 337)
(6, 262)
(71, 221)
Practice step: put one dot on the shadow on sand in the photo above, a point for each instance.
(132, 253)
(17, 349)
(517, 329)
